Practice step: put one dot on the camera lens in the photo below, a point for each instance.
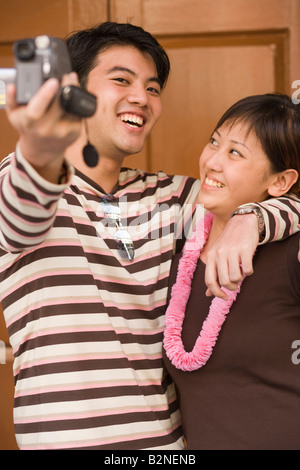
(24, 49)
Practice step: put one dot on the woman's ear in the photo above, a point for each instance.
(283, 182)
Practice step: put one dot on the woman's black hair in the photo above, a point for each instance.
(275, 120)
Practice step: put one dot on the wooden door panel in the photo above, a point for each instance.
(29, 18)
(194, 16)
(204, 82)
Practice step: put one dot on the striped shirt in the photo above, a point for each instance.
(86, 326)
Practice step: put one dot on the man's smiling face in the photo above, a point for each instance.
(129, 102)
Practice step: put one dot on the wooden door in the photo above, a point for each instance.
(220, 51)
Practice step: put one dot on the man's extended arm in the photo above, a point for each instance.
(30, 179)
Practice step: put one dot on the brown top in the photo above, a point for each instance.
(247, 396)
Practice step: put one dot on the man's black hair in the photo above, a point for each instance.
(85, 45)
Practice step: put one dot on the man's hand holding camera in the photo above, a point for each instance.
(44, 127)
(45, 104)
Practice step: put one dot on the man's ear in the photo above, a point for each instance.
(283, 182)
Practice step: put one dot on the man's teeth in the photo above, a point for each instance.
(216, 184)
(132, 119)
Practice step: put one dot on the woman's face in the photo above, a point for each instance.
(234, 170)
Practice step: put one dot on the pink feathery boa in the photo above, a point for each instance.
(219, 308)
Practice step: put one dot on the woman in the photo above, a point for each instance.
(237, 384)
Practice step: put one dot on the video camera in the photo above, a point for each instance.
(37, 60)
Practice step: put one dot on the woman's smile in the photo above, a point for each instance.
(232, 156)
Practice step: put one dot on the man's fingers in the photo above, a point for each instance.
(70, 79)
(234, 274)
(217, 292)
(43, 98)
(247, 264)
(11, 93)
(225, 271)
(212, 281)
(230, 257)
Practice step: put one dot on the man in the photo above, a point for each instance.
(86, 256)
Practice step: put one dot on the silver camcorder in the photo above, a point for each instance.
(37, 60)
